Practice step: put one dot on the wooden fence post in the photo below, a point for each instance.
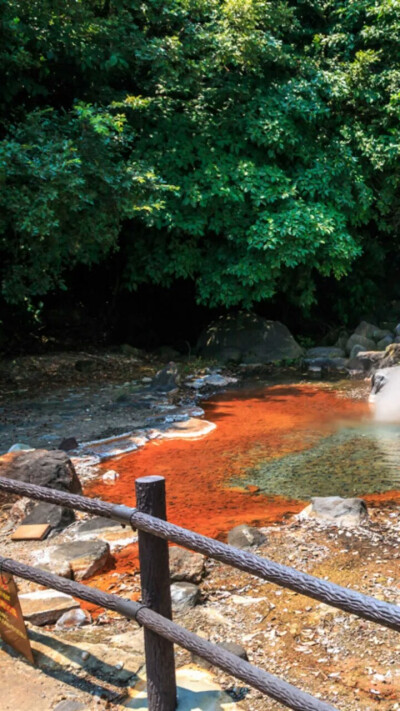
(156, 594)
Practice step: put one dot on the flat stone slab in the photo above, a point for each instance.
(44, 607)
(81, 558)
(116, 535)
(197, 691)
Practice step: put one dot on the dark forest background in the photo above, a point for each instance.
(163, 161)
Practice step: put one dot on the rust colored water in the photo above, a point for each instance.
(252, 426)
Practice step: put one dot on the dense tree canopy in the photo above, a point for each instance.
(247, 145)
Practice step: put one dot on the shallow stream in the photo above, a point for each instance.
(274, 447)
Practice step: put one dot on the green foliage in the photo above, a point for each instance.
(248, 145)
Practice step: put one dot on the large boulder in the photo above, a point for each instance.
(38, 466)
(253, 337)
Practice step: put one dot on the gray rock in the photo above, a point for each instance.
(167, 379)
(325, 352)
(365, 361)
(58, 517)
(385, 342)
(336, 510)
(68, 444)
(326, 364)
(110, 475)
(185, 565)
(97, 523)
(382, 333)
(73, 619)
(84, 557)
(356, 350)
(356, 339)
(397, 330)
(52, 469)
(368, 330)
(184, 596)
(258, 340)
(197, 384)
(245, 536)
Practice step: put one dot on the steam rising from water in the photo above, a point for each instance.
(385, 396)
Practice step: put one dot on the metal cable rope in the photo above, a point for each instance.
(270, 685)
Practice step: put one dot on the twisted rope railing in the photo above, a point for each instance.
(257, 678)
(365, 606)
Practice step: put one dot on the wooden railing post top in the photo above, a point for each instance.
(150, 479)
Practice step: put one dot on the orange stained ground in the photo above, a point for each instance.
(251, 426)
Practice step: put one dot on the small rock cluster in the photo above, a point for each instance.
(368, 347)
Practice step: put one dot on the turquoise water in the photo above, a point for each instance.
(357, 459)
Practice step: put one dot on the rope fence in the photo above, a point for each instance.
(154, 613)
